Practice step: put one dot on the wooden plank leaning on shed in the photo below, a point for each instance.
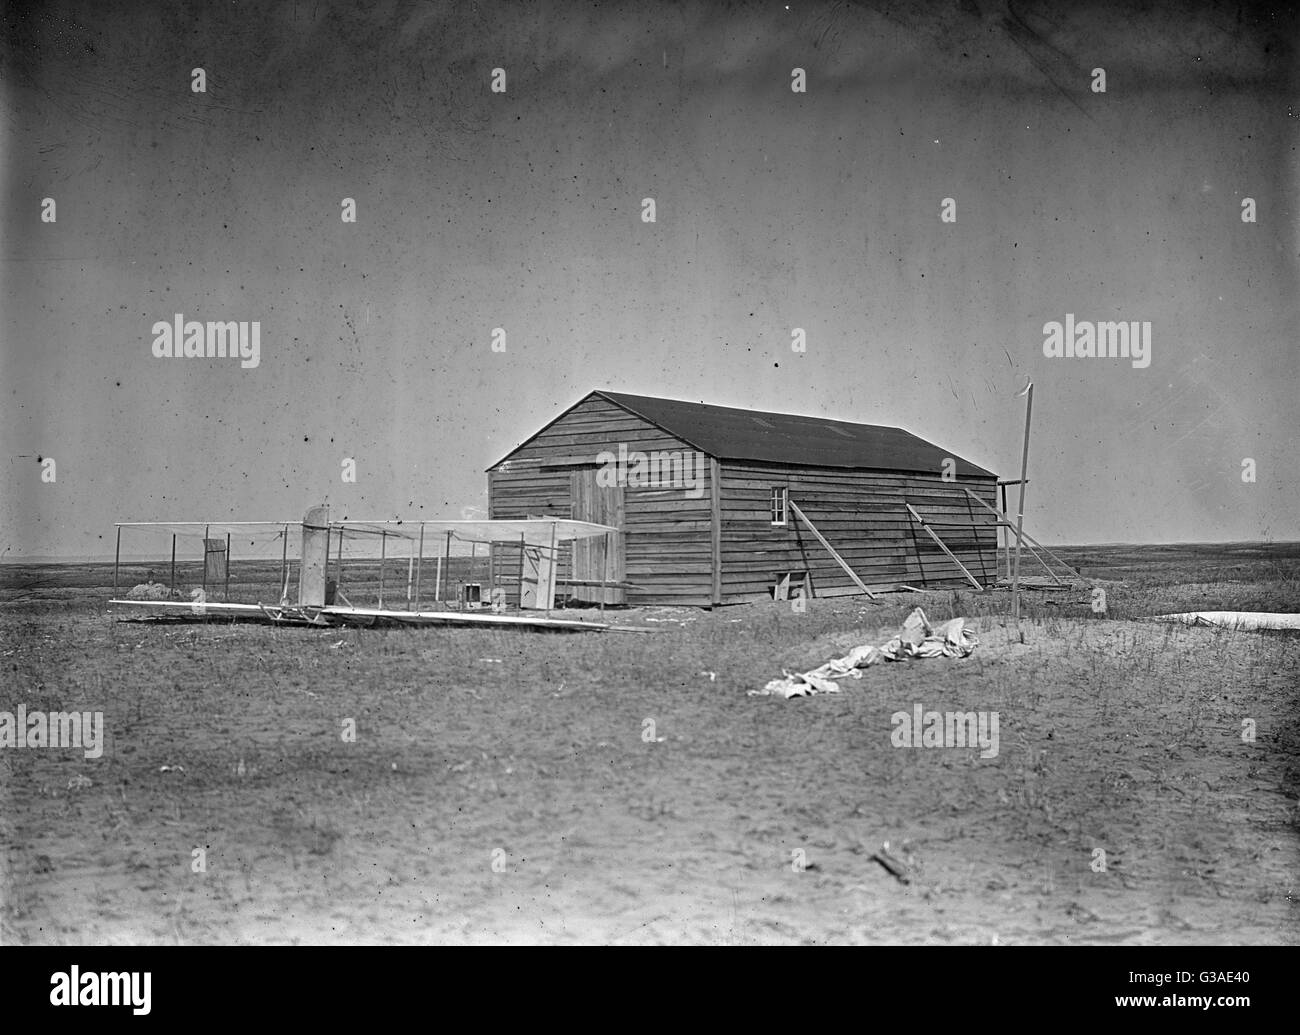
(831, 550)
(933, 535)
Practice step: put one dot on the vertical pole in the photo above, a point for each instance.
(338, 586)
(473, 567)
(1020, 515)
(492, 570)
(284, 568)
(117, 558)
(329, 534)
(383, 555)
(604, 571)
(418, 562)
(522, 547)
(227, 566)
(447, 565)
(410, 576)
(552, 571)
(171, 582)
(205, 560)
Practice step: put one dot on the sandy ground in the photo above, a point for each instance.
(510, 787)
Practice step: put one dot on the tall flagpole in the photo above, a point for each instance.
(1028, 392)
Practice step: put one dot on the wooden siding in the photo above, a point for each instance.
(666, 533)
(673, 541)
(862, 515)
(669, 545)
(592, 425)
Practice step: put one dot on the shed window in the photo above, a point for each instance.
(780, 507)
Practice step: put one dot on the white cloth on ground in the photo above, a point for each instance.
(916, 639)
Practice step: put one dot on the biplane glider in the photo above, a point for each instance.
(520, 566)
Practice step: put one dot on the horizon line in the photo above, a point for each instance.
(108, 559)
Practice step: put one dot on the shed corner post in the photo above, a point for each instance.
(117, 558)
(1020, 515)
(715, 528)
(1004, 533)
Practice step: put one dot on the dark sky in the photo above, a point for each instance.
(522, 210)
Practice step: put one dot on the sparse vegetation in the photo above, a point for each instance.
(1117, 735)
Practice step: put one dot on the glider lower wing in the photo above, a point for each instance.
(354, 615)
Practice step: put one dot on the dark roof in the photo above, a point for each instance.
(728, 433)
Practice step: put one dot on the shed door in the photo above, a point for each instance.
(601, 557)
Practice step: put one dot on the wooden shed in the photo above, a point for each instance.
(717, 505)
